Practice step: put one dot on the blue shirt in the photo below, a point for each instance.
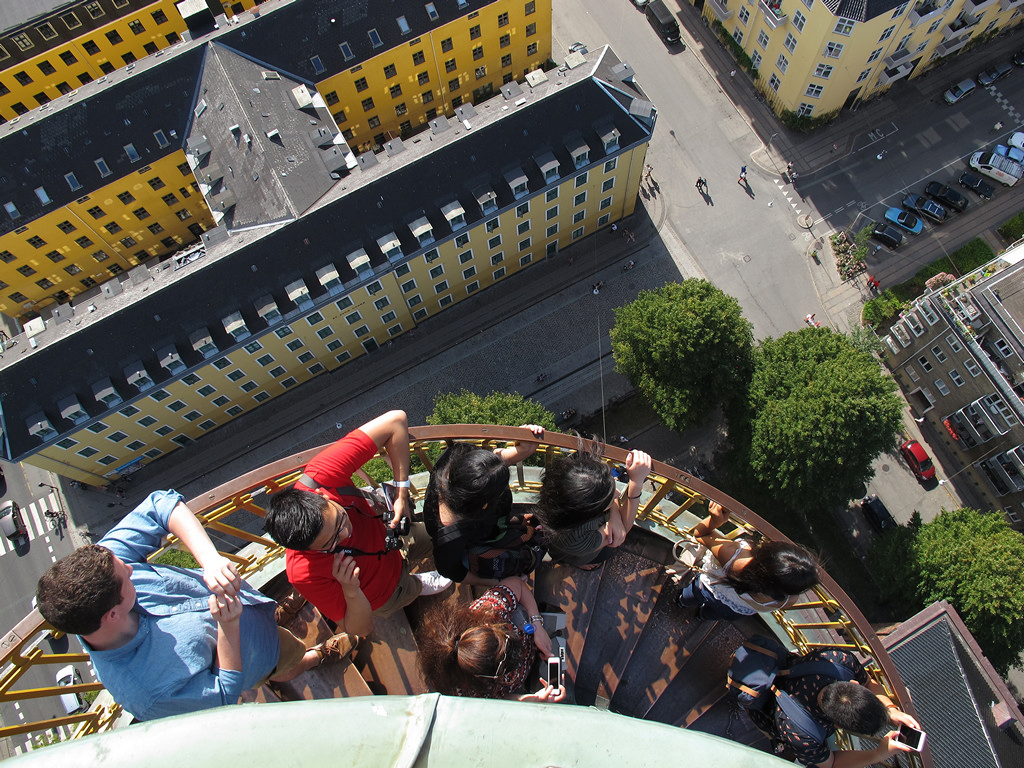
(168, 668)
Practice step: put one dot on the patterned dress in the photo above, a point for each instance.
(501, 602)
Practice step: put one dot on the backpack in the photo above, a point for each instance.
(759, 662)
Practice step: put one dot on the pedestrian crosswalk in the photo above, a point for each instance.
(36, 521)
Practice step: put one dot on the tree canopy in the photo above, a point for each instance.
(821, 410)
(973, 560)
(506, 409)
(685, 347)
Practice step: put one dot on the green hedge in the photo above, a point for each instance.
(884, 308)
(1012, 229)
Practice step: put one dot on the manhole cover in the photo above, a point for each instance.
(746, 257)
(885, 467)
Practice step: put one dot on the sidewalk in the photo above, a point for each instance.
(543, 319)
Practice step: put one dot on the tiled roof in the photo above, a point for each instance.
(14, 13)
(862, 10)
(953, 688)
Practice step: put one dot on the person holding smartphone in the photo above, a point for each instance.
(476, 649)
(858, 706)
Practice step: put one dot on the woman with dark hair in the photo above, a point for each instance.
(475, 649)
(579, 508)
(468, 512)
(737, 578)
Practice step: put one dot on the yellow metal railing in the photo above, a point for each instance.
(828, 618)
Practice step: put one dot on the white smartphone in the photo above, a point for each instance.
(554, 677)
(912, 737)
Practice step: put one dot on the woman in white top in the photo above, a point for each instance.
(738, 579)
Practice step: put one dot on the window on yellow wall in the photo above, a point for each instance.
(114, 37)
(474, 32)
(478, 52)
(449, 65)
(418, 58)
(531, 29)
(531, 49)
(447, 45)
(136, 27)
(531, 7)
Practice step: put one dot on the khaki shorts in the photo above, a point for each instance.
(291, 653)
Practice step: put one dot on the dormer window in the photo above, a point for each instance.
(330, 279)
(105, 393)
(12, 210)
(133, 155)
(169, 359)
(609, 137)
(375, 40)
(72, 410)
(455, 214)
(422, 231)
(102, 167)
(403, 25)
(72, 181)
(43, 197)
(202, 342)
(138, 376)
(267, 309)
(548, 167)
(579, 150)
(486, 199)
(390, 246)
(359, 261)
(235, 325)
(39, 426)
(298, 293)
(517, 181)
(431, 11)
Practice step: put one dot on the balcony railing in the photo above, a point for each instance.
(890, 76)
(773, 16)
(897, 58)
(1005, 5)
(827, 618)
(926, 11)
(960, 26)
(721, 9)
(972, 6)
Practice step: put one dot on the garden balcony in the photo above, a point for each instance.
(721, 9)
(773, 15)
(630, 649)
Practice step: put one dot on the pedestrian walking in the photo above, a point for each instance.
(743, 175)
(789, 168)
(732, 74)
(700, 181)
(615, 227)
(648, 171)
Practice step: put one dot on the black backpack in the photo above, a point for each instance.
(759, 662)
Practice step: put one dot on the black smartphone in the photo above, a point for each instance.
(912, 737)
(555, 673)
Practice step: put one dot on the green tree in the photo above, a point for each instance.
(975, 561)
(821, 410)
(503, 409)
(685, 347)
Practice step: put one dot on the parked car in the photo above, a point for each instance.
(948, 197)
(918, 460)
(1013, 153)
(1016, 140)
(877, 514)
(904, 220)
(993, 73)
(977, 185)
(71, 701)
(1002, 169)
(960, 91)
(887, 235)
(929, 209)
(1018, 58)
(12, 524)
(640, 3)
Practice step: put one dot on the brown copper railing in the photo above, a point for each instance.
(829, 618)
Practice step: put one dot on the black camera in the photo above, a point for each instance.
(392, 536)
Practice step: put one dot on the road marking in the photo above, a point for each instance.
(33, 516)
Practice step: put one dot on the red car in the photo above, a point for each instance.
(918, 460)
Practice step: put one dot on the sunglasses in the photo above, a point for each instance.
(503, 654)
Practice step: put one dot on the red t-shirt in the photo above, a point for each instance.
(311, 572)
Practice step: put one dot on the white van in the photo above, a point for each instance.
(1002, 169)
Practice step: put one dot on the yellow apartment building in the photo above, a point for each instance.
(814, 58)
(67, 45)
(386, 75)
(263, 311)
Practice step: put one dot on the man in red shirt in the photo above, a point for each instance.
(315, 522)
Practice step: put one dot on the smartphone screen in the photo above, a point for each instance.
(554, 673)
(912, 737)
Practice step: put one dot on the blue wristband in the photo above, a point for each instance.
(528, 628)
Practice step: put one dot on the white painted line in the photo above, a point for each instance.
(17, 705)
(18, 749)
(34, 517)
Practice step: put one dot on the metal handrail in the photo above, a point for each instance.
(829, 618)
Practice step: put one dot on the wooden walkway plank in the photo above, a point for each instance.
(627, 594)
(387, 658)
(573, 592)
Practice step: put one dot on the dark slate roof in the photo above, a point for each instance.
(288, 38)
(270, 179)
(862, 10)
(69, 137)
(556, 114)
(953, 688)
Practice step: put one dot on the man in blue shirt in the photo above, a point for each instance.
(166, 640)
